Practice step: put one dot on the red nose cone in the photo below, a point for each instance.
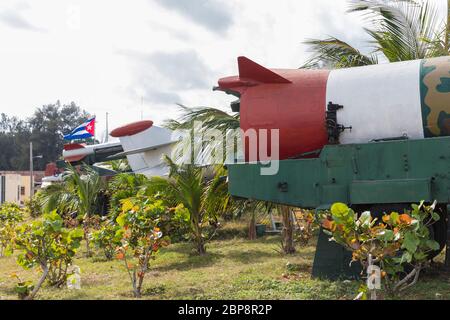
(131, 129)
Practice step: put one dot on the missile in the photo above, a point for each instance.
(312, 108)
(77, 152)
(142, 143)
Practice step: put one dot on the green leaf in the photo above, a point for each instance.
(435, 216)
(339, 209)
(411, 242)
(76, 233)
(386, 235)
(121, 220)
(365, 219)
(420, 256)
(406, 257)
(395, 217)
(433, 245)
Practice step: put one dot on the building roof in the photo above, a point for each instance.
(38, 175)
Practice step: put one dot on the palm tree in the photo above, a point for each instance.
(213, 118)
(198, 121)
(78, 193)
(119, 165)
(400, 30)
(204, 198)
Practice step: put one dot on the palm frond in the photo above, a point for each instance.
(199, 125)
(401, 29)
(59, 197)
(209, 117)
(215, 197)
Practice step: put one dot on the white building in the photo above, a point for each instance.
(15, 185)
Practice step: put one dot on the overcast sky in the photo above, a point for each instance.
(128, 57)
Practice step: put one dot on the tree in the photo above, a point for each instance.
(400, 30)
(212, 118)
(45, 128)
(48, 125)
(287, 234)
(14, 143)
(204, 199)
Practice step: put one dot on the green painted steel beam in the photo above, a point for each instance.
(401, 171)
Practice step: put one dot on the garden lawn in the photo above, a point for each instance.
(232, 269)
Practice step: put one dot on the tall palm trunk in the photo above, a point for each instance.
(252, 227)
(198, 234)
(86, 229)
(288, 230)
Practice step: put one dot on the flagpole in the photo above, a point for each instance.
(95, 124)
(142, 107)
(107, 132)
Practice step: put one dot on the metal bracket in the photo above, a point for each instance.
(334, 129)
(236, 106)
(283, 186)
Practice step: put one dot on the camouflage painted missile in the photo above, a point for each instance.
(404, 99)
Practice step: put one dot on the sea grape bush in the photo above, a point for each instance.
(123, 186)
(399, 244)
(107, 238)
(140, 223)
(7, 234)
(176, 223)
(33, 206)
(10, 212)
(47, 244)
(305, 227)
(10, 215)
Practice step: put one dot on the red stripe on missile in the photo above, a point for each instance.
(74, 146)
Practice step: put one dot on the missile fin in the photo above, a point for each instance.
(249, 69)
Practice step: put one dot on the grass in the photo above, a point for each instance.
(234, 268)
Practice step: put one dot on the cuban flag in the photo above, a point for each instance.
(83, 131)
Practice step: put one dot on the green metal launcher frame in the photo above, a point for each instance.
(371, 176)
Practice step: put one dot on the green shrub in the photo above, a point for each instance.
(10, 215)
(7, 234)
(398, 245)
(107, 238)
(33, 207)
(123, 186)
(23, 288)
(10, 212)
(140, 223)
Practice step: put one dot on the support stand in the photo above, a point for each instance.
(447, 250)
